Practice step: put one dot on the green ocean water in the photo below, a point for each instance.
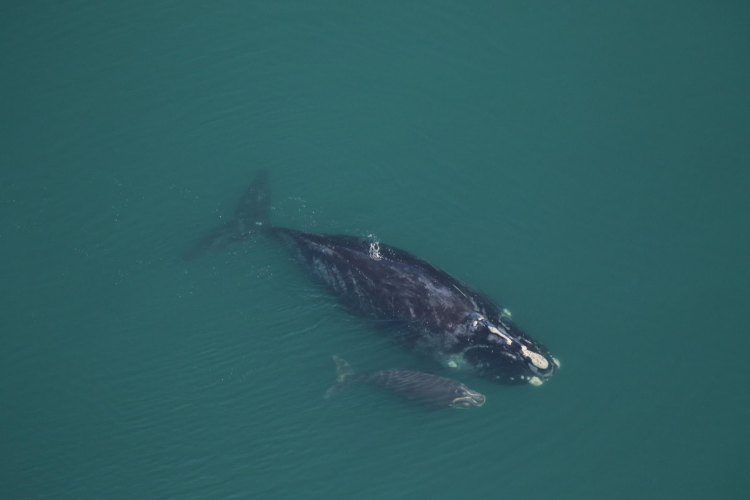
(585, 164)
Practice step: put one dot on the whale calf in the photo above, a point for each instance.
(439, 392)
(426, 309)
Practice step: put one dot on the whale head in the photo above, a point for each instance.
(498, 350)
(466, 398)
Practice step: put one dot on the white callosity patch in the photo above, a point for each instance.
(457, 362)
(501, 334)
(536, 381)
(537, 359)
(556, 361)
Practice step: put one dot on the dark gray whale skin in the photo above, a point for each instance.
(424, 308)
(438, 392)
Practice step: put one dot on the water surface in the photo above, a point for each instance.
(586, 165)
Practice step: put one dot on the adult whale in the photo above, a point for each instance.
(427, 309)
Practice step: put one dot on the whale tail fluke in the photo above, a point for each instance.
(250, 216)
(254, 207)
(344, 377)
